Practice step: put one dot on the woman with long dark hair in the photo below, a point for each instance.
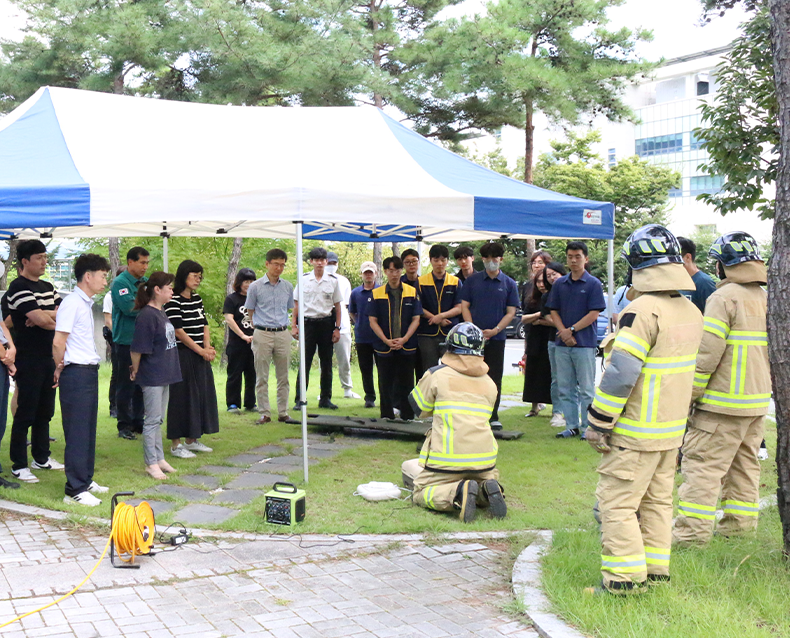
(155, 365)
(241, 363)
(192, 411)
(540, 384)
(530, 305)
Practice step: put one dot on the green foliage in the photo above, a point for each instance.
(486, 71)
(740, 128)
(639, 190)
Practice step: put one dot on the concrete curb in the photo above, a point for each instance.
(56, 515)
(527, 588)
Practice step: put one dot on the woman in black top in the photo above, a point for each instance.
(537, 262)
(539, 381)
(192, 410)
(241, 363)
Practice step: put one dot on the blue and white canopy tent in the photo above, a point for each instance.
(84, 164)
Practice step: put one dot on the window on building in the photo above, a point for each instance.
(706, 184)
(612, 157)
(676, 192)
(703, 88)
(694, 142)
(649, 146)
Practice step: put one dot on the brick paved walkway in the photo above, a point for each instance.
(373, 587)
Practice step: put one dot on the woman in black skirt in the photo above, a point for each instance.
(537, 372)
(192, 410)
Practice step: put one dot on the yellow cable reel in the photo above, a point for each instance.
(133, 532)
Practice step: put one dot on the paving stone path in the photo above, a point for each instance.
(226, 485)
(316, 586)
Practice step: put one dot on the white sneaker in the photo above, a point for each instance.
(557, 421)
(51, 464)
(95, 488)
(24, 475)
(350, 394)
(83, 498)
(197, 446)
(762, 454)
(181, 452)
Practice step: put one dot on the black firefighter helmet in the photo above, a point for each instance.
(465, 338)
(651, 245)
(734, 248)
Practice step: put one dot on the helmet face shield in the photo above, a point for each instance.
(651, 245)
(734, 248)
(465, 338)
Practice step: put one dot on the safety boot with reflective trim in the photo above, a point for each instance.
(496, 500)
(466, 500)
(658, 579)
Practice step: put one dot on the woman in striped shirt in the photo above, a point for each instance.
(192, 410)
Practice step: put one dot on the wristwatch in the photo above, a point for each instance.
(337, 327)
(573, 330)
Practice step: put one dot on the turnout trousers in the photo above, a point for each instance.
(632, 481)
(719, 456)
(437, 490)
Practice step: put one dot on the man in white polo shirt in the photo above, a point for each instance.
(77, 374)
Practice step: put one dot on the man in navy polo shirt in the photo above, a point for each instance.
(489, 300)
(359, 307)
(575, 301)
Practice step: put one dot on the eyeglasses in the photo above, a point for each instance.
(411, 262)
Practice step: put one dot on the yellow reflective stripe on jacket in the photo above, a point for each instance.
(738, 373)
(651, 390)
(741, 508)
(624, 564)
(701, 380)
(716, 327)
(458, 460)
(633, 344)
(657, 555)
(608, 402)
(649, 429)
(748, 338)
(694, 510)
(670, 365)
(742, 401)
(419, 399)
(459, 407)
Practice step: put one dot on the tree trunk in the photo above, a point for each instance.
(9, 263)
(395, 249)
(374, 7)
(779, 271)
(529, 145)
(377, 260)
(531, 247)
(114, 246)
(233, 270)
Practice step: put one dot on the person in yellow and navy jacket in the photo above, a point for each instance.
(732, 392)
(638, 414)
(394, 319)
(441, 306)
(458, 459)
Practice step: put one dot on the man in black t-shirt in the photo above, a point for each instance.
(33, 305)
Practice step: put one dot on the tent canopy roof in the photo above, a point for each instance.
(84, 164)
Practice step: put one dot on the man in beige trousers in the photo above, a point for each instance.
(268, 301)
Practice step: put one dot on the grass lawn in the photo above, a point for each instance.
(736, 587)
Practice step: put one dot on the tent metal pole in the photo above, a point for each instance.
(300, 319)
(610, 283)
(165, 239)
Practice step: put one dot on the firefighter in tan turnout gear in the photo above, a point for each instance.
(458, 458)
(638, 415)
(732, 391)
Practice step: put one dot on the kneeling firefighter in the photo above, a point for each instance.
(732, 392)
(638, 415)
(458, 458)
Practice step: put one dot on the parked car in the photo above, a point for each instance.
(515, 328)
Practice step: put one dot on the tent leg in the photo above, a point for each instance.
(610, 283)
(164, 253)
(300, 319)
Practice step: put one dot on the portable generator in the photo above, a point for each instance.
(285, 504)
